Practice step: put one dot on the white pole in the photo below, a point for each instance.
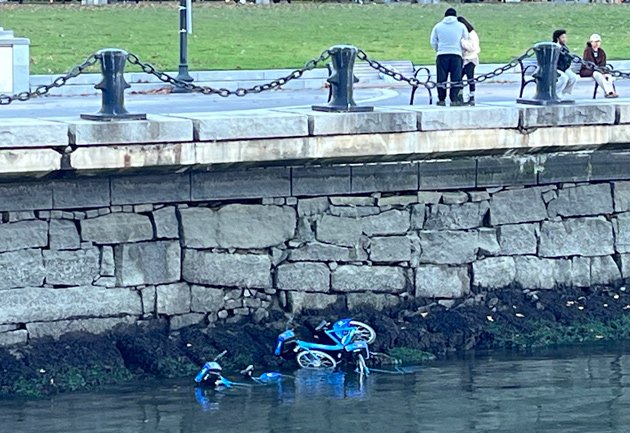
(189, 16)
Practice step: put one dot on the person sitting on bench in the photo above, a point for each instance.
(594, 53)
(567, 77)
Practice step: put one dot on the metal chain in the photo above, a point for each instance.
(429, 84)
(207, 90)
(57, 82)
(590, 65)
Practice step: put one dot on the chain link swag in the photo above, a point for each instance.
(297, 73)
(57, 82)
(429, 84)
(603, 70)
(206, 90)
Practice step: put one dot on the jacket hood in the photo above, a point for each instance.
(450, 20)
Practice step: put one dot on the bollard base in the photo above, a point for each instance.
(177, 89)
(109, 117)
(332, 109)
(545, 102)
(183, 75)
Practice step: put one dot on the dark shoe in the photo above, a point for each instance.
(471, 101)
(457, 104)
(612, 95)
(441, 103)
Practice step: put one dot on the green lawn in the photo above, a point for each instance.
(250, 37)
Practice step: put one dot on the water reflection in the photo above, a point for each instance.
(558, 392)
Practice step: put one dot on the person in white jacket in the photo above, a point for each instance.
(446, 39)
(471, 50)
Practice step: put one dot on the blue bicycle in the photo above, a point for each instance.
(346, 337)
(211, 374)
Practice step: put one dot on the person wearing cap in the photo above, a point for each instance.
(446, 40)
(595, 53)
(567, 77)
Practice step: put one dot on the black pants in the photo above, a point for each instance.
(449, 64)
(469, 73)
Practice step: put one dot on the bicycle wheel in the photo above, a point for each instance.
(363, 333)
(315, 359)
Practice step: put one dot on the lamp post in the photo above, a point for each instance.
(185, 27)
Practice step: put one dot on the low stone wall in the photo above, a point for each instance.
(90, 268)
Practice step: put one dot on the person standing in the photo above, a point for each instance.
(446, 40)
(567, 77)
(595, 53)
(470, 56)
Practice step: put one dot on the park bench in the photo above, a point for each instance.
(368, 75)
(528, 67)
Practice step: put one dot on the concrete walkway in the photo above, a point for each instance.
(191, 103)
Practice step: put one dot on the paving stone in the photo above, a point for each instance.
(448, 174)
(517, 206)
(173, 299)
(313, 206)
(390, 249)
(582, 200)
(307, 277)
(26, 196)
(23, 234)
(81, 193)
(339, 231)
(13, 337)
(89, 326)
(385, 177)
(494, 272)
(300, 301)
(238, 226)
(247, 183)
(318, 252)
(147, 263)
(512, 170)
(64, 235)
(71, 268)
(577, 237)
(117, 228)
(309, 181)
(21, 269)
(42, 304)
(564, 167)
(456, 217)
(348, 278)
(517, 239)
(227, 270)
(442, 282)
(163, 188)
(387, 223)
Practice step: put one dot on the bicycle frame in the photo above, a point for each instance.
(340, 334)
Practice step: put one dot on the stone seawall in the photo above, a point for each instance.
(87, 254)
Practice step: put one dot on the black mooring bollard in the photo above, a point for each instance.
(113, 86)
(342, 81)
(546, 75)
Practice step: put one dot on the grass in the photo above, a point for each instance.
(287, 35)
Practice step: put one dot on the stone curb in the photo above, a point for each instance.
(290, 135)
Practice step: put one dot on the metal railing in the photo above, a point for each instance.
(341, 80)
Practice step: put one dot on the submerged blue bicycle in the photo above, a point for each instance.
(346, 336)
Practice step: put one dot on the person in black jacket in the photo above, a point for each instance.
(567, 77)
